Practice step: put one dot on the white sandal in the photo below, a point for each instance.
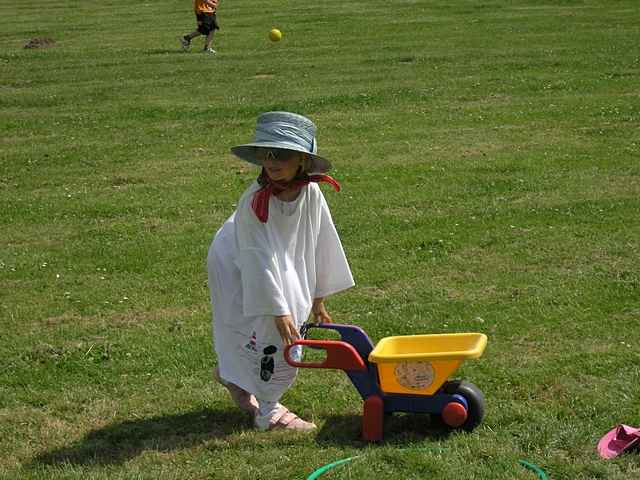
(283, 419)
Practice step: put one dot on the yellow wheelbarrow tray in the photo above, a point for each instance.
(420, 364)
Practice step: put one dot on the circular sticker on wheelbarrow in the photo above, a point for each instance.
(414, 375)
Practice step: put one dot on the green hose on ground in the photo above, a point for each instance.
(325, 468)
(329, 466)
(535, 468)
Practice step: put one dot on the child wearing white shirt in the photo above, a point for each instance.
(271, 265)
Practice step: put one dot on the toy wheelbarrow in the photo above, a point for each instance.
(403, 374)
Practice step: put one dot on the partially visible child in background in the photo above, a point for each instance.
(207, 24)
(271, 265)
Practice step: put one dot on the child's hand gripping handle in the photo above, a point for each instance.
(340, 355)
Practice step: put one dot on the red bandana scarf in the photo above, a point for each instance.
(260, 201)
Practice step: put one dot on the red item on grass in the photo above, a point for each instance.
(618, 440)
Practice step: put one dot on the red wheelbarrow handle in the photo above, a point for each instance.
(340, 355)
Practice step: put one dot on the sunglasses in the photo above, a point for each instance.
(276, 154)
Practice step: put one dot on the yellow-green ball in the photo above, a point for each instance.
(275, 35)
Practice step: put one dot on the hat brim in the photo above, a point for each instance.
(248, 152)
(618, 440)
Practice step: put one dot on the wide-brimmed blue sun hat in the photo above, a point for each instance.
(285, 131)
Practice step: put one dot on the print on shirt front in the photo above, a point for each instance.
(205, 6)
(266, 363)
(252, 343)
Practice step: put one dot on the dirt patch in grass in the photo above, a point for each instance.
(373, 292)
(40, 42)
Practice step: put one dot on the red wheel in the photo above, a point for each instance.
(454, 414)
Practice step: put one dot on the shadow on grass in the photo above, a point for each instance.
(399, 429)
(165, 51)
(117, 443)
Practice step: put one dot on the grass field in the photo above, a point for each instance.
(489, 153)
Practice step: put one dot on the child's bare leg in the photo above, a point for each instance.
(192, 35)
(209, 40)
(240, 397)
(186, 39)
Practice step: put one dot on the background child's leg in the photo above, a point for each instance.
(209, 40)
(186, 39)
